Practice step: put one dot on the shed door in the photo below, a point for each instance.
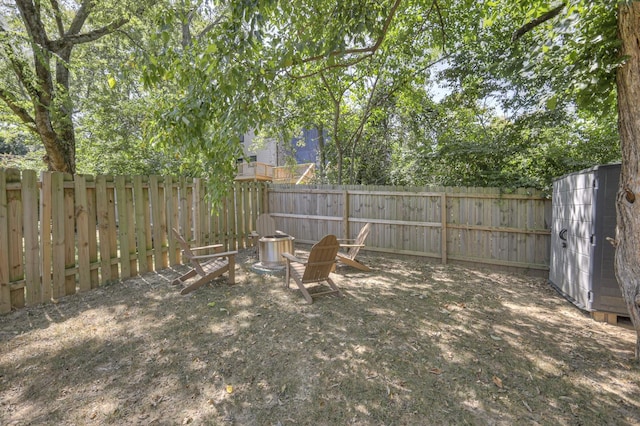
(572, 230)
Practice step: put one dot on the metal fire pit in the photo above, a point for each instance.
(270, 249)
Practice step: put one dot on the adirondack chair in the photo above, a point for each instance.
(265, 227)
(354, 246)
(315, 269)
(207, 266)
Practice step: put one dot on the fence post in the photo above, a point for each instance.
(443, 231)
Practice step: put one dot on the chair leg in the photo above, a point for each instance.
(288, 274)
(202, 281)
(232, 270)
(304, 292)
(334, 287)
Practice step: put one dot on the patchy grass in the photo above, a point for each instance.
(410, 343)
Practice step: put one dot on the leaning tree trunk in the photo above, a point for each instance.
(627, 258)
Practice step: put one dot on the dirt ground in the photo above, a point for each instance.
(411, 343)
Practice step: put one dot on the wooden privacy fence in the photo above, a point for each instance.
(480, 225)
(62, 234)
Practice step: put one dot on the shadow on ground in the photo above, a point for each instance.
(410, 343)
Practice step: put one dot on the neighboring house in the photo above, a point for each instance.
(267, 159)
(274, 153)
(267, 152)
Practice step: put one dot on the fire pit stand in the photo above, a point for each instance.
(270, 249)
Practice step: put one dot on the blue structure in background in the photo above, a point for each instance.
(306, 148)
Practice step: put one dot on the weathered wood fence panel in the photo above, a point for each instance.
(62, 234)
(479, 225)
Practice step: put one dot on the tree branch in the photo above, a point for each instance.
(328, 67)
(371, 49)
(80, 18)
(538, 21)
(31, 18)
(209, 27)
(73, 39)
(21, 112)
(20, 68)
(58, 16)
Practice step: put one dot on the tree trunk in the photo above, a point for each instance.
(321, 150)
(627, 258)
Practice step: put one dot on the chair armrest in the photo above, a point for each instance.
(292, 258)
(213, 246)
(210, 256)
(351, 245)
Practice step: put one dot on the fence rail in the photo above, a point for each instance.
(62, 234)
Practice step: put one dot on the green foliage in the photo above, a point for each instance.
(176, 87)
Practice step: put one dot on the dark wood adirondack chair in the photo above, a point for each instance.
(354, 246)
(207, 266)
(315, 269)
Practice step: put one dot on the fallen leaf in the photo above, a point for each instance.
(495, 337)
(435, 371)
(497, 381)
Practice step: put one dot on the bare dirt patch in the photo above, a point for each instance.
(411, 343)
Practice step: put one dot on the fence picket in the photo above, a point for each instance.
(5, 283)
(159, 223)
(123, 227)
(69, 236)
(82, 226)
(33, 284)
(93, 226)
(140, 223)
(45, 235)
(102, 213)
(57, 232)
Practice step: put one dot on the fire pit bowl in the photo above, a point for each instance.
(270, 249)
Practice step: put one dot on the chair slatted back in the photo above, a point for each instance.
(186, 250)
(321, 259)
(265, 225)
(362, 236)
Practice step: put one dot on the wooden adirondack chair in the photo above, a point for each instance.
(207, 266)
(354, 246)
(315, 269)
(265, 227)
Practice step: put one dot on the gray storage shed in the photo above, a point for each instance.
(582, 260)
